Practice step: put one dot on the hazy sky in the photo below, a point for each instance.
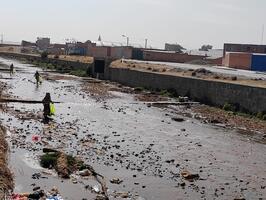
(188, 22)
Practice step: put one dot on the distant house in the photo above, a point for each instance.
(173, 47)
(43, 43)
(245, 56)
(27, 44)
(113, 52)
(244, 48)
(57, 49)
(79, 48)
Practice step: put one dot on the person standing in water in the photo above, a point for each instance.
(47, 108)
(11, 69)
(37, 77)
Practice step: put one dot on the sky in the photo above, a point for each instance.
(190, 23)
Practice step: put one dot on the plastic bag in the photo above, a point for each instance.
(52, 109)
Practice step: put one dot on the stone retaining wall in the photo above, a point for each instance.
(250, 99)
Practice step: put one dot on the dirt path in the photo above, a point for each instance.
(124, 139)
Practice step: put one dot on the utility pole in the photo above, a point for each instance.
(2, 38)
(127, 41)
(146, 43)
(262, 35)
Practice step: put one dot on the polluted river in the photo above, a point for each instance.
(139, 149)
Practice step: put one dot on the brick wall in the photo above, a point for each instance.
(169, 57)
(238, 60)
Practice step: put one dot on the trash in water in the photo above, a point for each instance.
(38, 195)
(35, 138)
(116, 181)
(96, 188)
(188, 176)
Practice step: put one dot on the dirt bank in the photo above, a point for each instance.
(6, 178)
(244, 123)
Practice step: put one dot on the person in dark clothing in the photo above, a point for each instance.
(38, 78)
(11, 69)
(46, 107)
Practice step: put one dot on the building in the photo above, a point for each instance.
(79, 48)
(244, 48)
(27, 44)
(245, 61)
(114, 52)
(57, 49)
(43, 43)
(245, 56)
(237, 60)
(169, 56)
(173, 47)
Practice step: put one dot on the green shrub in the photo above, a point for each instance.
(44, 55)
(81, 73)
(165, 93)
(230, 107)
(48, 160)
(139, 89)
(50, 66)
(261, 115)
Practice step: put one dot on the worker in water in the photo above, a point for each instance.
(47, 101)
(11, 69)
(37, 77)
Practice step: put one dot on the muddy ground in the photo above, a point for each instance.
(163, 152)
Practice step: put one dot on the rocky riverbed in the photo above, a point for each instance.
(142, 151)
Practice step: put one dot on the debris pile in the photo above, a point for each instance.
(39, 194)
(68, 166)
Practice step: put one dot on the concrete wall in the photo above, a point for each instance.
(251, 99)
(169, 56)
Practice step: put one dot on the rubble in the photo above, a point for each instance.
(116, 181)
(189, 176)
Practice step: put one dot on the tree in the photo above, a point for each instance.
(44, 55)
(205, 47)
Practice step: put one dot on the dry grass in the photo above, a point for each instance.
(82, 59)
(62, 166)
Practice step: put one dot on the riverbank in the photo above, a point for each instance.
(6, 177)
(76, 65)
